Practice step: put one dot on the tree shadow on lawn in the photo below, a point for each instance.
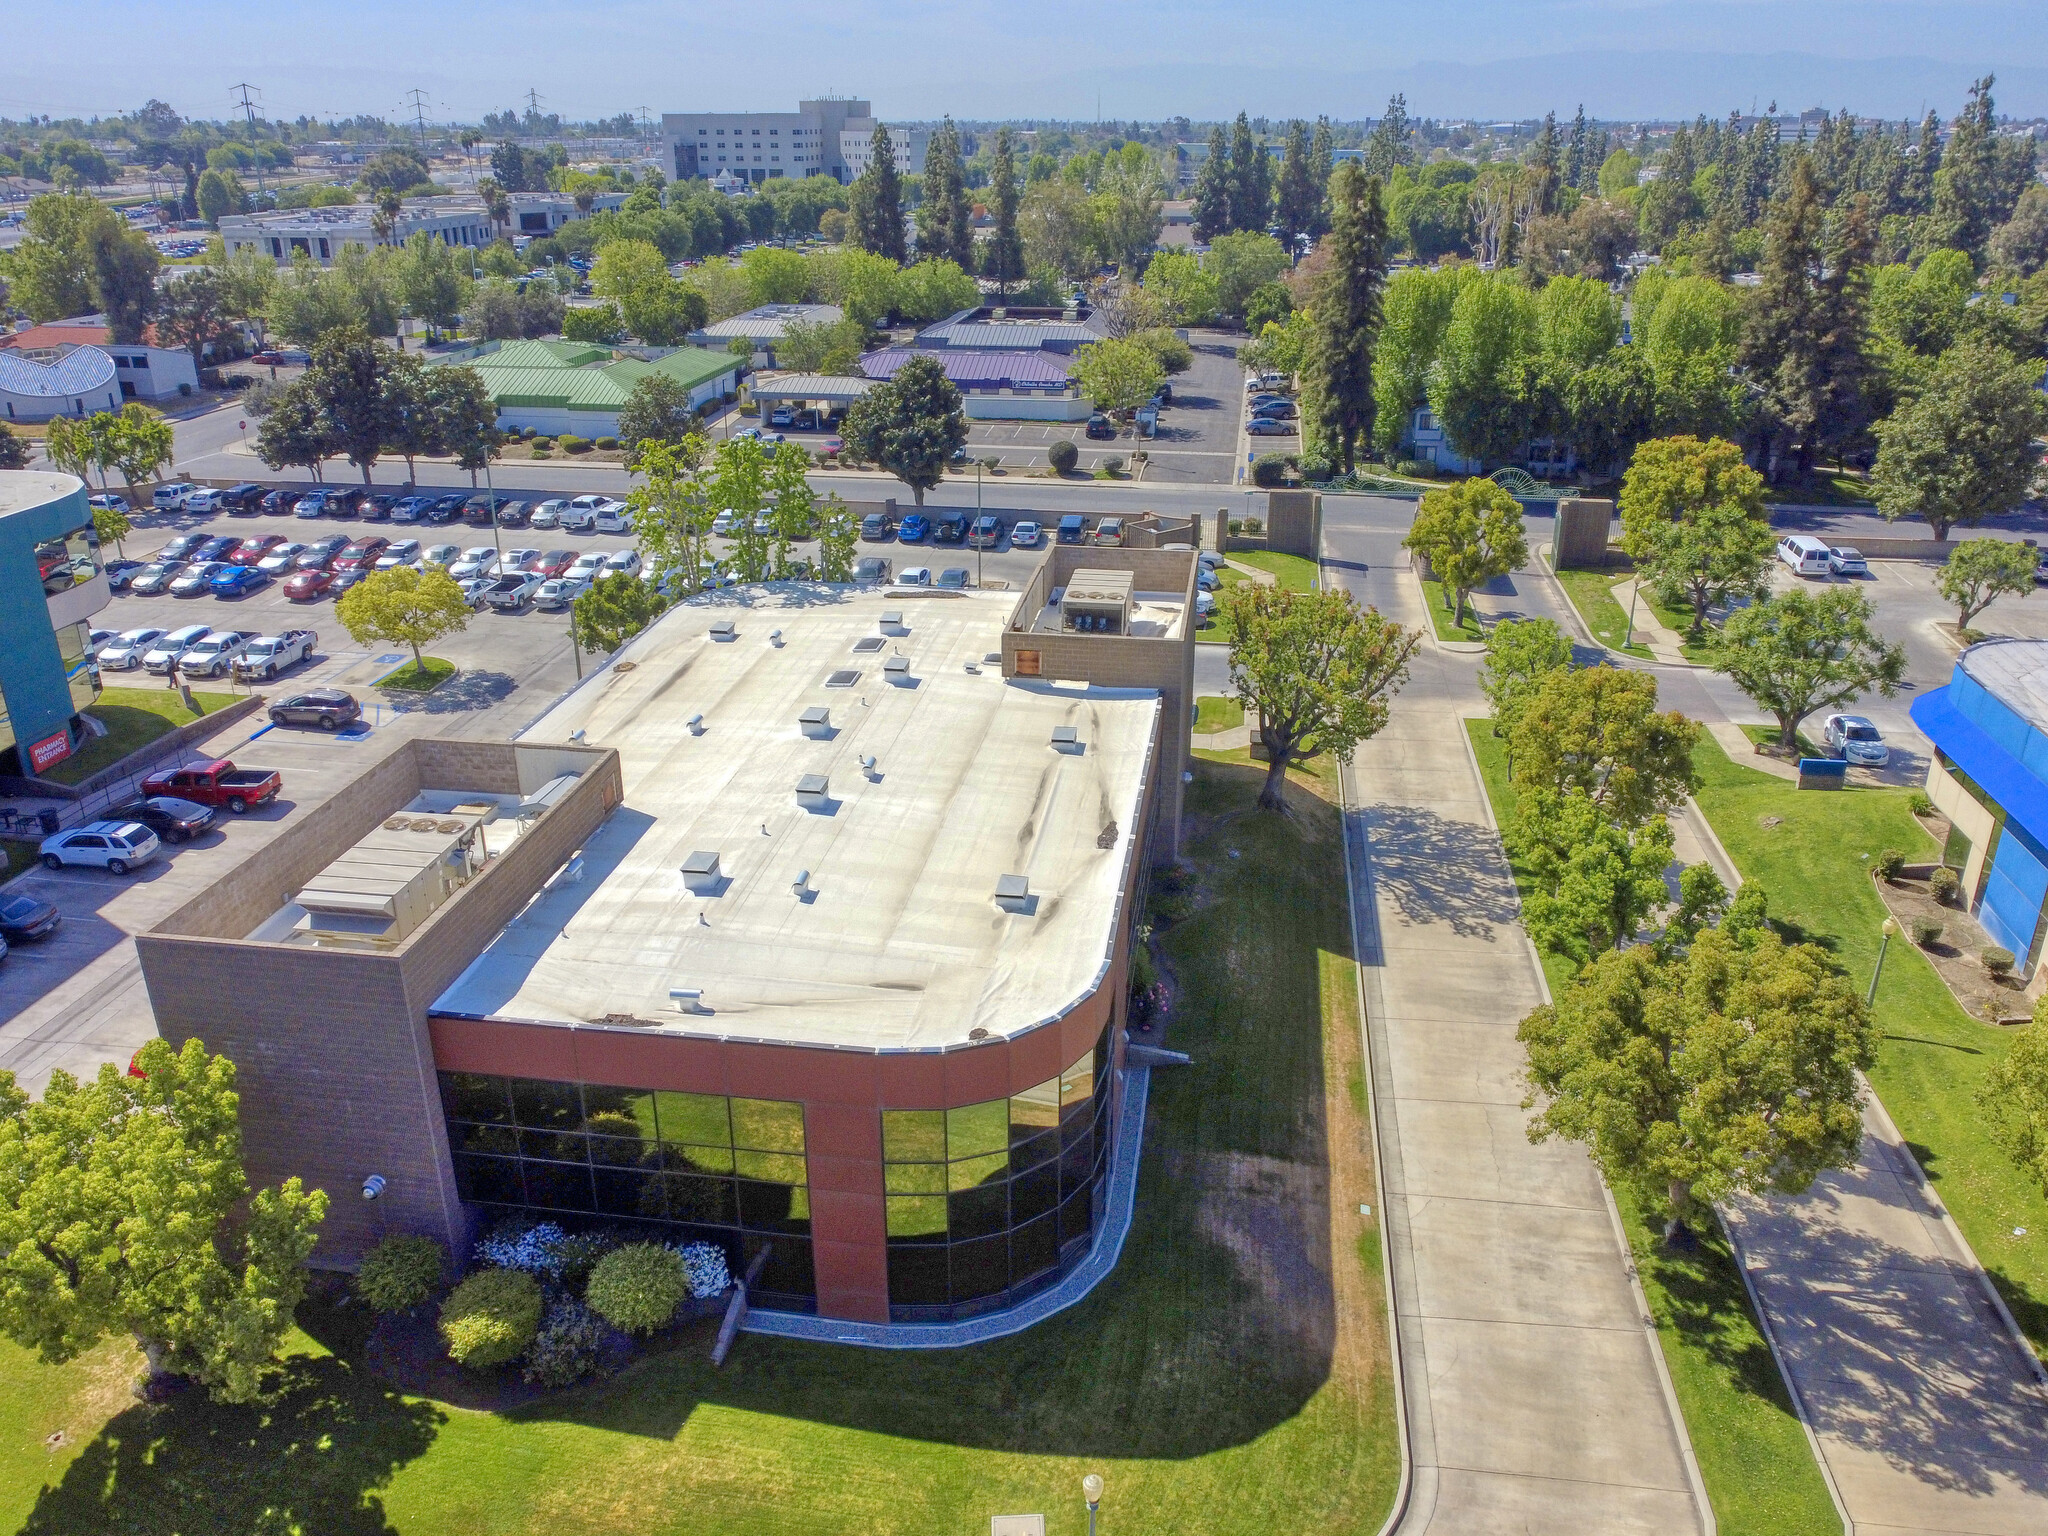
(311, 1460)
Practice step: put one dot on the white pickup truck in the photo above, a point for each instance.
(269, 655)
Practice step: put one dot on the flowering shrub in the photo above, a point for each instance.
(399, 1273)
(704, 1268)
(536, 1249)
(491, 1317)
(638, 1286)
(567, 1347)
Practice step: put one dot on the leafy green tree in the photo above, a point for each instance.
(859, 282)
(933, 289)
(657, 308)
(739, 484)
(875, 211)
(2014, 1098)
(138, 446)
(221, 193)
(432, 281)
(465, 417)
(657, 411)
(295, 431)
(1798, 652)
(600, 323)
(348, 380)
(1322, 164)
(1320, 671)
(13, 448)
(1345, 314)
(1610, 882)
(1693, 521)
(202, 306)
(838, 539)
(1415, 316)
(1980, 571)
(1520, 653)
(1002, 257)
(1595, 734)
(1126, 212)
(1962, 450)
(1243, 263)
(404, 606)
(1298, 197)
(672, 510)
(1058, 224)
(400, 169)
(1175, 356)
(1479, 385)
(72, 445)
(125, 1209)
(1269, 303)
(776, 276)
(911, 425)
(1183, 289)
(77, 255)
(1731, 1071)
(612, 610)
(1117, 376)
(793, 502)
(2021, 243)
(1470, 533)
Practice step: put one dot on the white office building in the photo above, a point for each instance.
(832, 137)
(857, 147)
(458, 219)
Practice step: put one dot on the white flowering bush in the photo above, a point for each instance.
(536, 1249)
(704, 1267)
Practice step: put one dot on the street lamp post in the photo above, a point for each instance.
(979, 541)
(1891, 926)
(1091, 1490)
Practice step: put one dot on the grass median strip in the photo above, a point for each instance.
(1214, 713)
(430, 674)
(1440, 615)
(1592, 593)
(1754, 1457)
(1232, 1374)
(134, 717)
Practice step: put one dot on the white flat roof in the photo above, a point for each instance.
(2015, 672)
(897, 941)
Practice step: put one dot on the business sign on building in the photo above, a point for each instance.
(49, 752)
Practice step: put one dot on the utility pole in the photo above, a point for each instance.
(417, 100)
(249, 107)
(533, 100)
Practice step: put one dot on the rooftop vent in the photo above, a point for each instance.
(867, 643)
(1066, 738)
(702, 874)
(844, 677)
(725, 629)
(688, 999)
(696, 724)
(867, 766)
(816, 721)
(775, 638)
(892, 622)
(1013, 893)
(897, 669)
(800, 887)
(813, 787)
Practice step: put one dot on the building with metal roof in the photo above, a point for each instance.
(996, 386)
(764, 326)
(1014, 328)
(74, 382)
(578, 387)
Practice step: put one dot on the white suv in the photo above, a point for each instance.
(115, 846)
(171, 498)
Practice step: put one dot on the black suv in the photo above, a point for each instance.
(240, 498)
(279, 502)
(949, 528)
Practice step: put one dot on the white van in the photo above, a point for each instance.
(1806, 555)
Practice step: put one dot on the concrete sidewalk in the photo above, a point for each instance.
(1534, 1394)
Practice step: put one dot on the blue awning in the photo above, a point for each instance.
(2023, 797)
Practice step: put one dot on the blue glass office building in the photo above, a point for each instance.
(1989, 727)
(52, 581)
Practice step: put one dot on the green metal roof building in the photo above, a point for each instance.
(574, 386)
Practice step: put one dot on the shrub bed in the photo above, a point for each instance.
(639, 1286)
(400, 1273)
(574, 444)
(1063, 456)
(491, 1317)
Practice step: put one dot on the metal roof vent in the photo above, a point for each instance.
(1066, 738)
(702, 874)
(696, 725)
(816, 722)
(1013, 893)
(845, 677)
(897, 670)
(867, 643)
(892, 622)
(775, 638)
(688, 999)
(867, 766)
(725, 629)
(800, 887)
(814, 788)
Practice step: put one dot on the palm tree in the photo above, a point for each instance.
(384, 222)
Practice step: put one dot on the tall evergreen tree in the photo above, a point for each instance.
(876, 211)
(1212, 189)
(1345, 312)
(1578, 148)
(1322, 162)
(1251, 179)
(1543, 164)
(1842, 413)
(1299, 197)
(1782, 340)
(945, 218)
(1387, 145)
(1966, 189)
(1003, 257)
(1923, 165)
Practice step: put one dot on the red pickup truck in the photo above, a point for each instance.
(219, 782)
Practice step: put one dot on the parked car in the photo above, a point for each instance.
(197, 578)
(173, 644)
(478, 560)
(171, 498)
(152, 579)
(216, 548)
(446, 508)
(588, 565)
(987, 532)
(215, 655)
(307, 585)
(475, 589)
(268, 655)
(553, 596)
(622, 560)
(553, 563)
(1110, 531)
(511, 593)
(438, 555)
(517, 559)
(410, 509)
(313, 504)
(954, 578)
(375, 509)
(182, 546)
(1854, 739)
(723, 523)
(107, 503)
(914, 576)
(173, 821)
(1845, 561)
(914, 528)
(115, 846)
(764, 524)
(949, 528)
(24, 919)
(218, 783)
(203, 500)
(875, 527)
(402, 552)
(617, 518)
(246, 497)
(277, 503)
(1277, 410)
(870, 569)
(281, 558)
(361, 554)
(328, 708)
(1206, 579)
(237, 581)
(549, 515)
(1073, 529)
(580, 515)
(479, 510)
(343, 580)
(121, 572)
(1100, 425)
(1025, 534)
(513, 514)
(1267, 426)
(125, 651)
(319, 555)
(1806, 555)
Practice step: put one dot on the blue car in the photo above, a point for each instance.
(914, 528)
(239, 581)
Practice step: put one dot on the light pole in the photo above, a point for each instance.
(1091, 1490)
(979, 541)
(1891, 926)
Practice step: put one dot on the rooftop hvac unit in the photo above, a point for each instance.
(1066, 738)
(813, 789)
(1013, 893)
(897, 669)
(725, 629)
(701, 873)
(816, 722)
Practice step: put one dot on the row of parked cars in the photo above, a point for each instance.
(1267, 411)
(479, 509)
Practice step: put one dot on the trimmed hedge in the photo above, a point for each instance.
(608, 444)
(638, 1287)
(1943, 884)
(400, 1273)
(1063, 456)
(571, 443)
(491, 1317)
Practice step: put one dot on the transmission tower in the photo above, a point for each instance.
(417, 100)
(533, 101)
(646, 132)
(249, 107)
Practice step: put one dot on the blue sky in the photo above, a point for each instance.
(1051, 58)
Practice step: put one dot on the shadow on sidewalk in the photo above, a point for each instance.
(1441, 871)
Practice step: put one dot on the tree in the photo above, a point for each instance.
(1730, 1071)
(1594, 734)
(201, 306)
(1117, 376)
(658, 410)
(432, 281)
(295, 431)
(911, 425)
(1980, 571)
(500, 311)
(2021, 243)
(124, 1208)
(1212, 189)
(404, 606)
(110, 525)
(657, 308)
(53, 271)
(221, 193)
(400, 169)
(1471, 533)
(672, 510)
(139, 445)
(875, 213)
(465, 417)
(1487, 357)
(945, 219)
(1182, 287)
(838, 539)
(601, 323)
(1251, 178)
(348, 381)
(793, 503)
(1962, 449)
(2014, 1098)
(1002, 257)
(1345, 314)
(1611, 880)
(1299, 197)
(1798, 652)
(1520, 653)
(738, 483)
(13, 449)
(934, 288)
(1322, 164)
(613, 609)
(1057, 222)
(1127, 213)
(1693, 521)
(776, 276)
(1319, 670)
(1242, 263)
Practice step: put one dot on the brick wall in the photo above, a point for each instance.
(1579, 536)
(1294, 523)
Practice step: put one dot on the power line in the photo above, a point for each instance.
(417, 100)
(533, 101)
(249, 107)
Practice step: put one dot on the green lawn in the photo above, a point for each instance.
(1753, 1454)
(1214, 714)
(1822, 488)
(1931, 1055)
(1592, 593)
(425, 678)
(1232, 1375)
(1294, 572)
(1440, 615)
(1768, 735)
(134, 717)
